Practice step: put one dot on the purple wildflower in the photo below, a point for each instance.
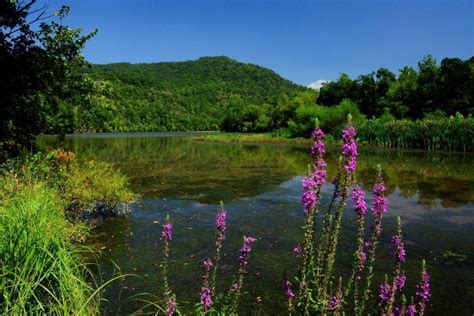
(384, 292)
(319, 173)
(361, 255)
(334, 303)
(171, 307)
(411, 310)
(298, 251)
(401, 281)
(221, 223)
(287, 289)
(236, 286)
(399, 253)
(317, 133)
(358, 197)
(319, 148)
(379, 201)
(166, 232)
(206, 301)
(245, 250)
(349, 149)
(423, 289)
(309, 197)
(207, 264)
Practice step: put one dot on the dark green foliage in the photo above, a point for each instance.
(210, 93)
(448, 87)
(36, 77)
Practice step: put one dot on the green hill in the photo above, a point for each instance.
(203, 94)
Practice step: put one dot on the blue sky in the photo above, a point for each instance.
(301, 40)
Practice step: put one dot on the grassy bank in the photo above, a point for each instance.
(41, 203)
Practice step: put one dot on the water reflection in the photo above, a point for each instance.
(178, 167)
(261, 185)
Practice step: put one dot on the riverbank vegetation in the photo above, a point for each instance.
(43, 198)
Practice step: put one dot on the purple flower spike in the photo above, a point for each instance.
(379, 201)
(245, 250)
(349, 149)
(319, 148)
(171, 307)
(319, 173)
(334, 303)
(287, 289)
(221, 223)
(358, 197)
(423, 290)
(401, 281)
(411, 310)
(166, 232)
(384, 292)
(206, 301)
(309, 200)
(399, 253)
(317, 133)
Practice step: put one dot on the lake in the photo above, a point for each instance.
(260, 184)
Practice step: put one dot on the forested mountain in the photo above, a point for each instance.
(203, 94)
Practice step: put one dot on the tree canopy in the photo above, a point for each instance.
(447, 88)
(37, 75)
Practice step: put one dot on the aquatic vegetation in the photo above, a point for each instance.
(319, 291)
(453, 133)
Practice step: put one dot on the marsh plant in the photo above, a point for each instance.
(316, 289)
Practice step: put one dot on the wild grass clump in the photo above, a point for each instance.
(40, 267)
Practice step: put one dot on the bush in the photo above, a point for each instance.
(89, 187)
(331, 119)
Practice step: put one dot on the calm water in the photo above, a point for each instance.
(261, 186)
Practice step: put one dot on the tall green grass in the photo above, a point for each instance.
(454, 133)
(41, 262)
(40, 268)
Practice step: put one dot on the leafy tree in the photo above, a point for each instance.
(332, 93)
(36, 72)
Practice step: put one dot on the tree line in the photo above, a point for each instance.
(445, 88)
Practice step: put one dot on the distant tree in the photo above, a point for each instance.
(400, 96)
(426, 96)
(455, 83)
(37, 70)
(333, 92)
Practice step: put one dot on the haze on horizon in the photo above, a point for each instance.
(304, 41)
